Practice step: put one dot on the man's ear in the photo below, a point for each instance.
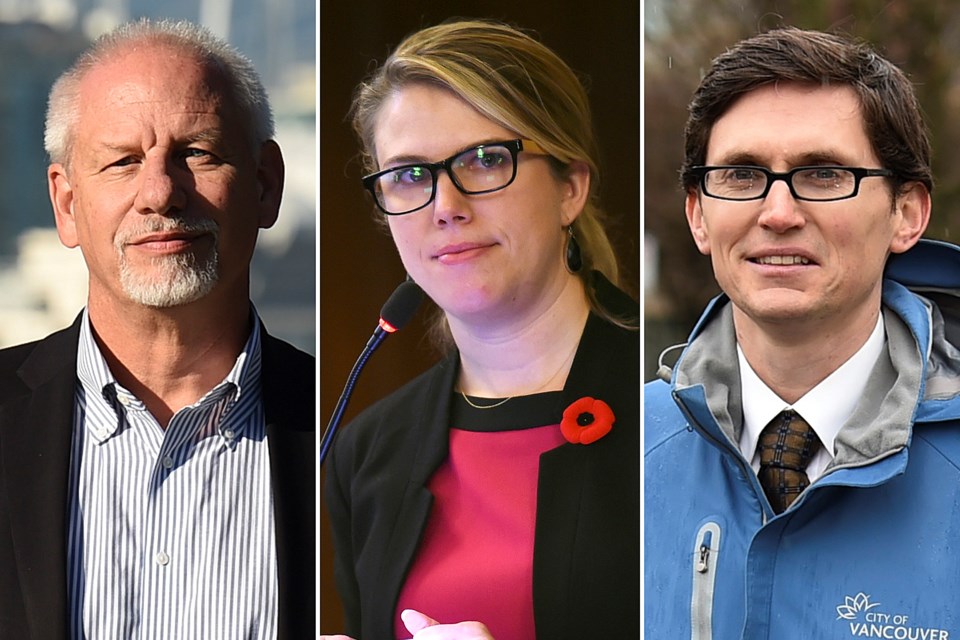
(270, 174)
(694, 211)
(913, 214)
(61, 197)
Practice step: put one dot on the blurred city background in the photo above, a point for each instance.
(43, 284)
(680, 39)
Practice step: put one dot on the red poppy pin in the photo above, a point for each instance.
(586, 421)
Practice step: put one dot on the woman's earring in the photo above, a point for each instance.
(574, 260)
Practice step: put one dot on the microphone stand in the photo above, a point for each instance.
(397, 311)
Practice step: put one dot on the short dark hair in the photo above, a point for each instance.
(891, 112)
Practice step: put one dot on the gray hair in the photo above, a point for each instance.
(244, 85)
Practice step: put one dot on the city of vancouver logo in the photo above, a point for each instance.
(853, 606)
(867, 621)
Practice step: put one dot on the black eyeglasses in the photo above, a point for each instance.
(815, 183)
(481, 169)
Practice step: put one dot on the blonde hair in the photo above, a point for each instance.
(516, 82)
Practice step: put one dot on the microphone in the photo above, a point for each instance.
(399, 308)
(664, 371)
(396, 312)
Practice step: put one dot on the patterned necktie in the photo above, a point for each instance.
(786, 446)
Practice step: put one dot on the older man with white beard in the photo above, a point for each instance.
(156, 458)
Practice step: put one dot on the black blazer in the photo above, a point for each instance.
(37, 385)
(586, 565)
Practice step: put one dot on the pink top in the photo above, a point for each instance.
(475, 561)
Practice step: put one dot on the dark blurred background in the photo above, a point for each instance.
(358, 264)
(680, 39)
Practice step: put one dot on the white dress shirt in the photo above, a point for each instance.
(171, 530)
(826, 407)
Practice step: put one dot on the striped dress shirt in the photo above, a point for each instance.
(171, 531)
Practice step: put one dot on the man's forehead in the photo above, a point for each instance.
(809, 121)
(178, 83)
(840, 97)
(154, 63)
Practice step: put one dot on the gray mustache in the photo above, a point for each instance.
(168, 224)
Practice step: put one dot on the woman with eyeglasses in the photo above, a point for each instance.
(496, 495)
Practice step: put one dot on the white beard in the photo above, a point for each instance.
(170, 280)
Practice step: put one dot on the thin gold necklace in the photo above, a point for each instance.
(508, 398)
(485, 406)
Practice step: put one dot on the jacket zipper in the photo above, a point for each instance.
(706, 552)
(741, 462)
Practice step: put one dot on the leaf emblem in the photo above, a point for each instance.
(853, 605)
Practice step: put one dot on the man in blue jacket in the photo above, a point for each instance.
(803, 455)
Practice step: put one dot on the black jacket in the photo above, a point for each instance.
(587, 542)
(37, 385)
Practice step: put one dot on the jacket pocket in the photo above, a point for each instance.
(706, 553)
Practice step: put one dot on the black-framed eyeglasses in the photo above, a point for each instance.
(814, 183)
(481, 169)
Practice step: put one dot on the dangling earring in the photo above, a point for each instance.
(574, 260)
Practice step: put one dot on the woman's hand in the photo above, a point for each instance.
(426, 628)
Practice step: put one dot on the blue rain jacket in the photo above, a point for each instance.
(869, 550)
